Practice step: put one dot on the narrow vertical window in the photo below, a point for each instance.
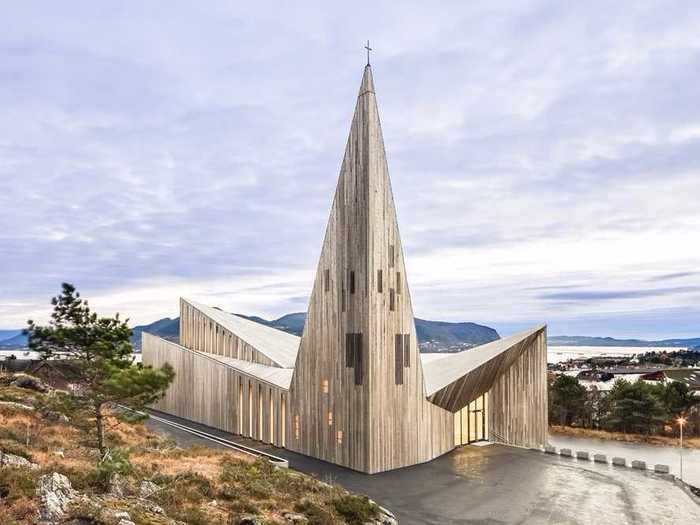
(358, 358)
(260, 413)
(296, 427)
(272, 417)
(250, 409)
(326, 280)
(349, 350)
(392, 299)
(339, 437)
(324, 386)
(283, 421)
(342, 299)
(330, 419)
(240, 405)
(407, 350)
(352, 282)
(379, 281)
(391, 256)
(398, 359)
(398, 283)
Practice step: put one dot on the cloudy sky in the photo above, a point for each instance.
(545, 156)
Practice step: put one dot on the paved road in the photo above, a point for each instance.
(495, 484)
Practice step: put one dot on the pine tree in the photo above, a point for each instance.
(99, 349)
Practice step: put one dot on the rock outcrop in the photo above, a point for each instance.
(55, 494)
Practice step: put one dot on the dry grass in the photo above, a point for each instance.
(621, 436)
(199, 485)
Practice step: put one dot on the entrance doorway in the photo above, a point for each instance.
(471, 423)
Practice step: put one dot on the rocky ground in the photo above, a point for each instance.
(50, 473)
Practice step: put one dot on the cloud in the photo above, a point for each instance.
(160, 149)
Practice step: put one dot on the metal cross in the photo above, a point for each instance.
(368, 50)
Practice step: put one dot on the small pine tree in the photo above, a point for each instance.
(100, 350)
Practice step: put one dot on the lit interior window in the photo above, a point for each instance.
(330, 419)
(339, 437)
(324, 386)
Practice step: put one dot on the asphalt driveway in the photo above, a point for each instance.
(496, 484)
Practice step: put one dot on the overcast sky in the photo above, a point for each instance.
(545, 156)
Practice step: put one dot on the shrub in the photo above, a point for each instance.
(316, 514)
(356, 509)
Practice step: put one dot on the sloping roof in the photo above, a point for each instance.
(281, 377)
(281, 347)
(442, 372)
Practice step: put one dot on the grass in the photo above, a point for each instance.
(199, 485)
(666, 441)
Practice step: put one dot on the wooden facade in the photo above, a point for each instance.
(215, 394)
(360, 306)
(353, 390)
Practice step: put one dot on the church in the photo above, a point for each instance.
(354, 389)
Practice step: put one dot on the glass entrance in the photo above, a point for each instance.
(471, 423)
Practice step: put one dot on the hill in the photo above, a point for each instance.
(580, 340)
(19, 340)
(433, 336)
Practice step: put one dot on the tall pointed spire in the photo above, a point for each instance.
(357, 390)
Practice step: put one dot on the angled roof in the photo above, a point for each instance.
(281, 377)
(442, 372)
(281, 347)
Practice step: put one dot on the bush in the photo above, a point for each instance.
(356, 509)
(316, 514)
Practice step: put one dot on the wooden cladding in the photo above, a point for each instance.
(210, 392)
(199, 332)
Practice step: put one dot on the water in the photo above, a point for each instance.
(26, 355)
(652, 454)
(557, 354)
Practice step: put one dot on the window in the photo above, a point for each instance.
(272, 417)
(392, 299)
(250, 409)
(391, 256)
(351, 278)
(407, 350)
(240, 405)
(283, 416)
(398, 359)
(260, 413)
(349, 350)
(296, 427)
(358, 359)
(398, 283)
(342, 299)
(330, 419)
(353, 355)
(326, 280)
(339, 437)
(324, 386)
(379, 281)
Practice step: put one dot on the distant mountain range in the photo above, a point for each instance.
(581, 340)
(433, 336)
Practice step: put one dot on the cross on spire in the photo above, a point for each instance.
(368, 50)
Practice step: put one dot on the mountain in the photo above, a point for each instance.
(7, 334)
(166, 328)
(440, 336)
(17, 341)
(433, 336)
(581, 340)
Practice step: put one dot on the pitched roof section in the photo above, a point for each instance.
(281, 347)
(442, 372)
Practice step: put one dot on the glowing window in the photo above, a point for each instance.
(339, 437)
(330, 419)
(324, 386)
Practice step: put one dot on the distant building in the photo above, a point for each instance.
(354, 389)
